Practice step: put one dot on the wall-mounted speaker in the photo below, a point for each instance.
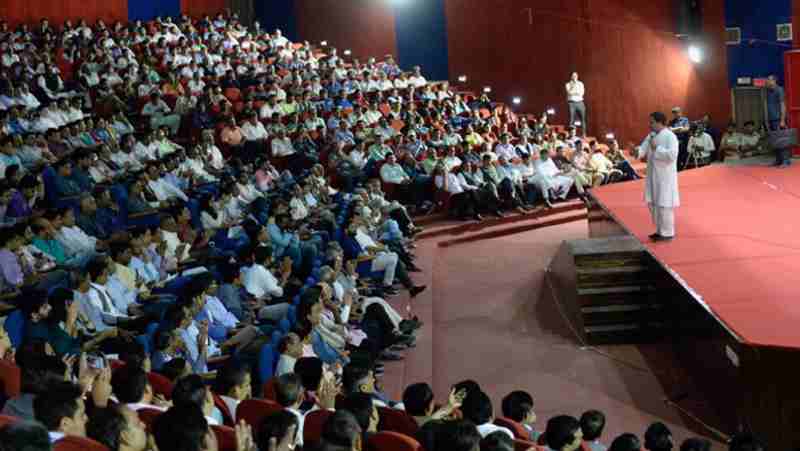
(689, 15)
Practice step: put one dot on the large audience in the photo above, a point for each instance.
(202, 224)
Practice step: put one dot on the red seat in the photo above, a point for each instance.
(160, 384)
(71, 443)
(524, 445)
(233, 94)
(253, 411)
(227, 415)
(226, 438)
(396, 421)
(7, 419)
(393, 441)
(10, 379)
(269, 389)
(148, 416)
(312, 426)
(517, 428)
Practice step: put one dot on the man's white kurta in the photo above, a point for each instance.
(661, 185)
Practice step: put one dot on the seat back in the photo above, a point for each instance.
(515, 427)
(7, 419)
(253, 411)
(15, 327)
(148, 416)
(269, 389)
(160, 384)
(10, 379)
(393, 441)
(266, 366)
(226, 438)
(72, 443)
(396, 421)
(524, 445)
(227, 415)
(312, 426)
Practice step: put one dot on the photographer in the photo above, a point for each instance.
(701, 146)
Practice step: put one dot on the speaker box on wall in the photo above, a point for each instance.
(689, 15)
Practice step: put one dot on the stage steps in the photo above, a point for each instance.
(438, 225)
(609, 290)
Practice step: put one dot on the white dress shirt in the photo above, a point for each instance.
(260, 282)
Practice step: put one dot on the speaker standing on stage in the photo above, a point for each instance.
(660, 149)
(575, 93)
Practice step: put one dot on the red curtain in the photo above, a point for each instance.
(56, 11)
(364, 26)
(199, 8)
(624, 50)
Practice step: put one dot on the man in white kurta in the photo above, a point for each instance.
(660, 149)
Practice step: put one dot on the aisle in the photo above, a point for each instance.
(485, 320)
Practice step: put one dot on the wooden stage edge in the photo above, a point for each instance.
(612, 289)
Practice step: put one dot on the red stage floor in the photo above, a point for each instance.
(737, 246)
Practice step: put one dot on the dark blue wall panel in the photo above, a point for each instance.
(148, 9)
(277, 14)
(421, 29)
(759, 54)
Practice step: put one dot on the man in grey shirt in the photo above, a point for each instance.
(776, 117)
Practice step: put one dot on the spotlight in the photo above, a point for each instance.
(348, 52)
(324, 43)
(462, 79)
(578, 123)
(695, 54)
(551, 111)
(609, 136)
(487, 89)
(516, 100)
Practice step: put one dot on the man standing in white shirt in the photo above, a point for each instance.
(660, 149)
(575, 93)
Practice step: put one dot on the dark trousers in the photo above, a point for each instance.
(782, 156)
(463, 204)
(578, 109)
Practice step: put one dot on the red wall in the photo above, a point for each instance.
(364, 26)
(198, 8)
(623, 50)
(31, 11)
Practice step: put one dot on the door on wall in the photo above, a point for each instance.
(791, 67)
(749, 104)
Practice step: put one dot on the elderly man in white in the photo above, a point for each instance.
(660, 149)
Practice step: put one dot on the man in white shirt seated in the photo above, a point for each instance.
(505, 149)
(160, 114)
(76, 242)
(282, 145)
(61, 410)
(417, 80)
(289, 394)
(160, 187)
(233, 385)
(260, 283)
(254, 131)
(290, 349)
(477, 407)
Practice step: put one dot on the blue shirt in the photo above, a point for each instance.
(774, 101)
(281, 240)
(326, 352)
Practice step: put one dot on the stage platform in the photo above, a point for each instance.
(737, 249)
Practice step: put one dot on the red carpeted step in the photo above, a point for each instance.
(452, 227)
(540, 222)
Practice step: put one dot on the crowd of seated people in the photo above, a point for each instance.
(201, 225)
